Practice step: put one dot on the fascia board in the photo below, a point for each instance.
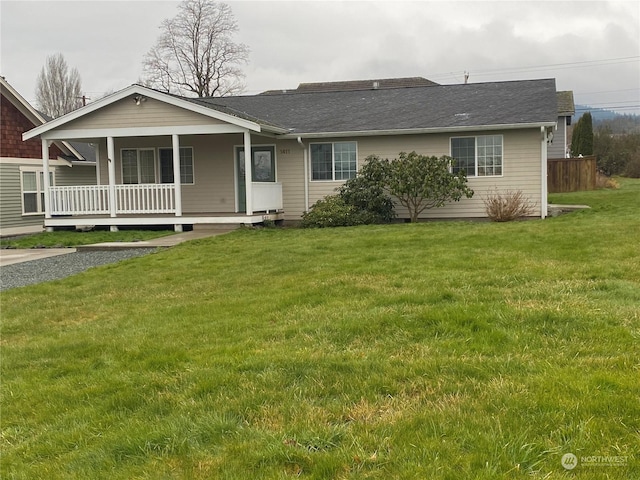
(138, 89)
(414, 131)
(25, 107)
(72, 150)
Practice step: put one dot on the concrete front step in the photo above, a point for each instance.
(553, 210)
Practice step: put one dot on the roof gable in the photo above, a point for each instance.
(20, 103)
(134, 112)
(137, 95)
(35, 117)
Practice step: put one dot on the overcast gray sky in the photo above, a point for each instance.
(592, 48)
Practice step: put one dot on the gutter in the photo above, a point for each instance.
(306, 175)
(410, 131)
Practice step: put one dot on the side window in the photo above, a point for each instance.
(186, 165)
(32, 190)
(333, 161)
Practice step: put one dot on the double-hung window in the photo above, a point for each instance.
(479, 156)
(186, 165)
(32, 184)
(138, 165)
(333, 161)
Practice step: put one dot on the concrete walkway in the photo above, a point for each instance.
(160, 242)
(10, 256)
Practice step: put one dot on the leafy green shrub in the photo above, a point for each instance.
(420, 182)
(366, 192)
(416, 181)
(333, 211)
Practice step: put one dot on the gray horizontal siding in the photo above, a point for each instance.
(557, 148)
(11, 201)
(75, 175)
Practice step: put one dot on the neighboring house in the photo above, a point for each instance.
(560, 146)
(304, 143)
(21, 168)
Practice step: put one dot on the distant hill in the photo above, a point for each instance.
(617, 122)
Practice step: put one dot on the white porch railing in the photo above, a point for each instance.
(80, 200)
(94, 199)
(146, 198)
(266, 196)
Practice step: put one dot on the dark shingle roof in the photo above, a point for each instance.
(429, 107)
(566, 107)
(86, 150)
(344, 86)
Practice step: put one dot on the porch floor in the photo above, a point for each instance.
(220, 218)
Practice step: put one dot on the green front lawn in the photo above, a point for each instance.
(73, 239)
(439, 350)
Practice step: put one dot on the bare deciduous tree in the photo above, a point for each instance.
(195, 54)
(58, 90)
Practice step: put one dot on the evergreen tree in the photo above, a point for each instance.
(582, 139)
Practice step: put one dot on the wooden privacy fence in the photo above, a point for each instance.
(571, 174)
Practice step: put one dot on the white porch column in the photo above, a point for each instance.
(248, 172)
(111, 164)
(45, 177)
(175, 141)
(96, 149)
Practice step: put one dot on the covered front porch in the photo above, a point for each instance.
(163, 160)
(150, 204)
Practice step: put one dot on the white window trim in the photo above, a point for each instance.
(138, 150)
(39, 189)
(475, 153)
(333, 161)
(193, 165)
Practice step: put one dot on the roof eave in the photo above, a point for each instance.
(415, 131)
(25, 107)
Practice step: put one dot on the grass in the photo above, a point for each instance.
(440, 350)
(72, 238)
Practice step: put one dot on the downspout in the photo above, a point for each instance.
(543, 173)
(306, 175)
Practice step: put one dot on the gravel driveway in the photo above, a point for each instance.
(54, 268)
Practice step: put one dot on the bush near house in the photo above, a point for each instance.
(507, 206)
(333, 211)
(361, 200)
(416, 182)
(420, 182)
